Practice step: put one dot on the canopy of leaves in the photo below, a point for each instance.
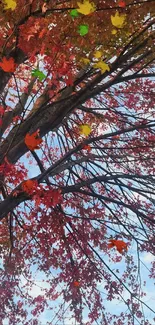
(76, 160)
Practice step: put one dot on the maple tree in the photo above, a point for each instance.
(76, 158)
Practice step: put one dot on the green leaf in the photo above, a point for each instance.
(39, 74)
(74, 13)
(83, 30)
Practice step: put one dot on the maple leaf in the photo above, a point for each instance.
(119, 244)
(32, 141)
(8, 65)
(86, 7)
(118, 20)
(122, 4)
(86, 147)
(83, 30)
(102, 66)
(39, 74)
(74, 13)
(85, 61)
(76, 283)
(6, 167)
(98, 54)
(44, 7)
(50, 197)
(2, 111)
(85, 129)
(29, 186)
(56, 197)
(10, 4)
(114, 31)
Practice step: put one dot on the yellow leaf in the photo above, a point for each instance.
(128, 33)
(114, 31)
(101, 65)
(85, 129)
(118, 20)
(86, 7)
(10, 4)
(98, 54)
(85, 61)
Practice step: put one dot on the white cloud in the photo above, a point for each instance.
(148, 258)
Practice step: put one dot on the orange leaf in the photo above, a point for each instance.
(87, 147)
(119, 244)
(116, 136)
(8, 65)
(76, 283)
(32, 141)
(44, 7)
(122, 4)
(29, 186)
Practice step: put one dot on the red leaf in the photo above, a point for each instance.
(29, 186)
(76, 283)
(56, 197)
(119, 244)
(8, 65)
(32, 141)
(87, 147)
(122, 4)
(1, 111)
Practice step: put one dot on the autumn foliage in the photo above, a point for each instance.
(119, 244)
(76, 161)
(8, 65)
(32, 141)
